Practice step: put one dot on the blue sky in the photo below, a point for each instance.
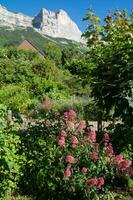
(75, 8)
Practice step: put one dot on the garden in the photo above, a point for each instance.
(48, 148)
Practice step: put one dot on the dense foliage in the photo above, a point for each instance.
(27, 78)
(112, 54)
(10, 159)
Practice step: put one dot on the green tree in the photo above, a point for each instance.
(53, 52)
(111, 47)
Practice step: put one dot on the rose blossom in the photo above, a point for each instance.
(74, 140)
(84, 170)
(106, 137)
(63, 133)
(68, 172)
(61, 142)
(70, 159)
(94, 156)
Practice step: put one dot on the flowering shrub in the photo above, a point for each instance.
(64, 160)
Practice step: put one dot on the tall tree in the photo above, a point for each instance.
(111, 49)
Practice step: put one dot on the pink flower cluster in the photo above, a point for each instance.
(123, 165)
(74, 140)
(84, 170)
(63, 133)
(68, 172)
(109, 150)
(70, 115)
(61, 141)
(98, 182)
(94, 156)
(81, 126)
(70, 159)
(56, 114)
(118, 159)
(106, 137)
(91, 135)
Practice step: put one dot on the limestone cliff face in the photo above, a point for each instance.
(57, 24)
(54, 24)
(14, 19)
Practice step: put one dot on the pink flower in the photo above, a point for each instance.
(56, 114)
(92, 182)
(70, 159)
(70, 125)
(84, 170)
(65, 115)
(94, 156)
(47, 104)
(74, 140)
(125, 163)
(68, 172)
(106, 137)
(118, 159)
(81, 126)
(92, 136)
(63, 133)
(127, 170)
(72, 115)
(109, 150)
(100, 182)
(61, 142)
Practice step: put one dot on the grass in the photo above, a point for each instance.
(118, 196)
(19, 197)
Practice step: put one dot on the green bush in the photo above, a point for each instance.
(26, 78)
(10, 160)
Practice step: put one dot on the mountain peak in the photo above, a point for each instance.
(2, 7)
(54, 24)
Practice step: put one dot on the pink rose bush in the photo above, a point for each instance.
(77, 162)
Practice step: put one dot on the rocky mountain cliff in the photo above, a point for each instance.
(54, 24)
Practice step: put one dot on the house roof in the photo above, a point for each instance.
(26, 44)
